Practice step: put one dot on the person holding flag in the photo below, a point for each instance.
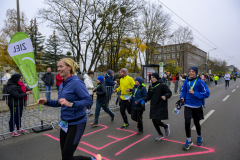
(73, 97)
(193, 93)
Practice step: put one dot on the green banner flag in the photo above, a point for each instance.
(21, 50)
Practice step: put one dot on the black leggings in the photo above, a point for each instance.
(125, 105)
(188, 129)
(227, 83)
(69, 141)
(157, 123)
(89, 107)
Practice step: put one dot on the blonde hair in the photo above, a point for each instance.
(70, 62)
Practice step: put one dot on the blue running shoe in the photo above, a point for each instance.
(125, 126)
(187, 145)
(199, 141)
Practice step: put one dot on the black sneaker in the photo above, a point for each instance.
(112, 118)
(199, 141)
(94, 125)
(187, 145)
(139, 133)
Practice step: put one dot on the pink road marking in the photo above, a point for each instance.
(132, 145)
(113, 137)
(105, 127)
(210, 150)
(119, 139)
(77, 147)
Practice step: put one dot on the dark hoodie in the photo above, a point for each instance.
(16, 97)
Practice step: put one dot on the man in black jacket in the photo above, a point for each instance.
(102, 100)
(48, 80)
(158, 93)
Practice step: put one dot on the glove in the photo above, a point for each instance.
(143, 102)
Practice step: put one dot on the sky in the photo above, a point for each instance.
(217, 20)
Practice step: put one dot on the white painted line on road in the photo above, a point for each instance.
(205, 118)
(226, 98)
(233, 90)
(237, 86)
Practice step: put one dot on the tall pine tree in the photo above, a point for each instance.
(38, 45)
(53, 51)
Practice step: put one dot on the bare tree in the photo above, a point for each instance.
(156, 24)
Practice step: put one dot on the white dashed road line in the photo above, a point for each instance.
(233, 90)
(205, 118)
(226, 98)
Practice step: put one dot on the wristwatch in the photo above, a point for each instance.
(71, 104)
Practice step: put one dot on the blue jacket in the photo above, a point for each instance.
(109, 83)
(73, 90)
(138, 97)
(201, 92)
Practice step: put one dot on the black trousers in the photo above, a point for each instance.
(136, 115)
(89, 107)
(109, 96)
(157, 123)
(125, 105)
(227, 83)
(216, 82)
(69, 142)
(197, 115)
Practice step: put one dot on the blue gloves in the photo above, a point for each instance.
(143, 102)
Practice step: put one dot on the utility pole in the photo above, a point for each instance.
(208, 59)
(18, 17)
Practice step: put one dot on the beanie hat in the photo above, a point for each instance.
(195, 69)
(156, 75)
(124, 70)
(139, 79)
(15, 78)
(110, 72)
(101, 78)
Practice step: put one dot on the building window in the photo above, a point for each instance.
(173, 48)
(178, 47)
(177, 55)
(168, 48)
(164, 49)
(173, 55)
(159, 56)
(168, 56)
(164, 56)
(159, 49)
(155, 57)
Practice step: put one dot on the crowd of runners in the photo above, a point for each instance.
(75, 94)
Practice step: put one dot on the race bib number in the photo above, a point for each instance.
(127, 96)
(63, 125)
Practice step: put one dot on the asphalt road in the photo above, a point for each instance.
(221, 131)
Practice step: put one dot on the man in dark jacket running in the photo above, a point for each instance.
(158, 93)
(48, 80)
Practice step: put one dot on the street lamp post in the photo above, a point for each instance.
(208, 58)
(18, 17)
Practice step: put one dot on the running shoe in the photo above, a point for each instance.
(89, 114)
(199, 141)
(167, 130)
(139, 133)
(21, 130)
(187, 145)
(99, 157)
(125, 126)
(159, 137)
(112, 118)
(94, 125)
(14, 134)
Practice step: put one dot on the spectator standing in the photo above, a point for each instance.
(5, 78)
(80, 76)
(59, 81)
(216, 78)
(48, 80)
(89, 85)
(17, 99)
(109, 83)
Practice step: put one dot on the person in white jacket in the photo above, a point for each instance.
(5, 78)
(89, 85)
(227, 79)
